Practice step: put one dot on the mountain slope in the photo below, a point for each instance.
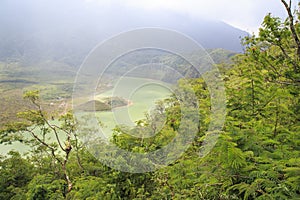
(65, 31)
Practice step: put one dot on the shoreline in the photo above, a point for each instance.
(129, 103)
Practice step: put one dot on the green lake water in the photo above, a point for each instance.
(142, 95)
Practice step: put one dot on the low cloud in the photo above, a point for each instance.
(244, 14)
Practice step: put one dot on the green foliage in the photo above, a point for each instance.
(15, 174)
(92, 188)
(45, 187)
(256, 155)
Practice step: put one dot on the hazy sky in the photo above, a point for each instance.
(243, 14)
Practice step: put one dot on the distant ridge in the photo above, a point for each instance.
(65, 32)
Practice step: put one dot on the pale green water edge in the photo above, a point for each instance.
(142, 95)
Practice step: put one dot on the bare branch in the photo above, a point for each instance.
(49, 125)
(45, 144)
(292, 25)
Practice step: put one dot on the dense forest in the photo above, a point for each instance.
(257, 154)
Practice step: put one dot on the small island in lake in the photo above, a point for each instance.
(106, 104)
